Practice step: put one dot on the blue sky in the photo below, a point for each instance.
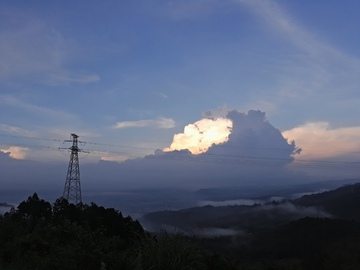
(135, 73)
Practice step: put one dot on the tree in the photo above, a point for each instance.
(33, 207)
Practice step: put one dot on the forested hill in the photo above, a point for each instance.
(233, 193)
(39, 235)
(343, 203)
(303, 234)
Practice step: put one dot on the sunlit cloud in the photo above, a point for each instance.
(16, 152)
(161, 122)
(318, 141)
(198, 137)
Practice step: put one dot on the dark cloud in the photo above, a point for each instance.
(252, 135)
(256, 153)
(30, 175)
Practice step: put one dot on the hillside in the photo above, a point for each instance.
(40, 235)
(255, 191)
(343, 203)
(238, 217)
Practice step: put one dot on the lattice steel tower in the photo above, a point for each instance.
(72, 189)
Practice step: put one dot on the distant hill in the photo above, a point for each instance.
(343, 203)
(248, 192)
(318, 231)
(237, 217)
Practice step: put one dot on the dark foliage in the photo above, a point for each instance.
(39, 235)
(343, 202)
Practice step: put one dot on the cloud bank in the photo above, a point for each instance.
(319, 142)
(16, 152)
(255, 153)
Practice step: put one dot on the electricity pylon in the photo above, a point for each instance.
(72, 189)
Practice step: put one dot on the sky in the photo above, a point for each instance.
(227, 87)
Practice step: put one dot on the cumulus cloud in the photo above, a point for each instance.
(16, 152)
(198, 137)
(254, 153)
(161, 122)
(252, 136)
(319, 142)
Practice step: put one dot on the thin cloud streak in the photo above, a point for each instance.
(118, 159)
(160, 94)
(161, 123)
(317, 68)
(32, 49)
(17, 130)
(30, 108)
(298, 36)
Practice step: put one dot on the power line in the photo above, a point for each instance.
(244, 160)
(257, 161)
(229, 159)
(95, 152)
(218, 145)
